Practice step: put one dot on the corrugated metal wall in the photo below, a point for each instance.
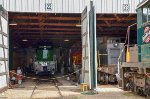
(116, 6)
(3, 48)
(70, 6)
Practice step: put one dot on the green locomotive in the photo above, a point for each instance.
(136, 72)
(44, 63)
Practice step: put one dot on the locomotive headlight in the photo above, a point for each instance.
(115, 44)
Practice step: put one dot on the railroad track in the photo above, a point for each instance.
(54, 81)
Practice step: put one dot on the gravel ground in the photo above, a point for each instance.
(47, 90)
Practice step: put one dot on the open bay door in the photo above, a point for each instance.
(89, 54)
(3, 49)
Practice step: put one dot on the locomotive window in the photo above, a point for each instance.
(145, 15)
(148, 13)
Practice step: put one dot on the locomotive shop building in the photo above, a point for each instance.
(88, 43)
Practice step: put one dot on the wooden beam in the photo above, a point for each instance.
(115, 29)
(107, 23)
(59, 29)
(67, 18)
(117, 17)
(111, 19)
(100, 28)
(47, 38)
(116, 24)
(48, 24)
(45, 18)
(47, 33)
(70, 24)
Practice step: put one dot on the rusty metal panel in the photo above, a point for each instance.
(133, 54)
(70, 6)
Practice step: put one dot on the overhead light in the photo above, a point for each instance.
(66, 40)
(13, 24)
(24, 40)
(78, 25)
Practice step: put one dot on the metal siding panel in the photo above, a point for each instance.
(19, 5)
(62, 5)
(53, 5)
(45, 2)
(30, 4)
(4, 3)
(23, 6)
(102, 6)
(59, 5)
(11, 4)
(105, 3)
(131, 7)
(66, 6)
(96, 3)
(74, 5)
(114, 6)
(110, 6)
(83, 4)
(80, 6)
(77, 7)
(2, 67)
(3, 81)
(36, 7)
(125, 2)
(69, 6)
(42, 5)
(119, 8)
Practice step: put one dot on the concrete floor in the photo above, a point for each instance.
(47, 90)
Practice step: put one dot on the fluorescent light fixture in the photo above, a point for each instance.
(24, 40)
(78, 25)
(66, 40)
(13, 24)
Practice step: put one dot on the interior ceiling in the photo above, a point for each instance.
(39, 28)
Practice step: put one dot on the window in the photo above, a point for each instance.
(145, 15)
(148, 13)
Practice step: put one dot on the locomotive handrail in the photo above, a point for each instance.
(128, 43)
